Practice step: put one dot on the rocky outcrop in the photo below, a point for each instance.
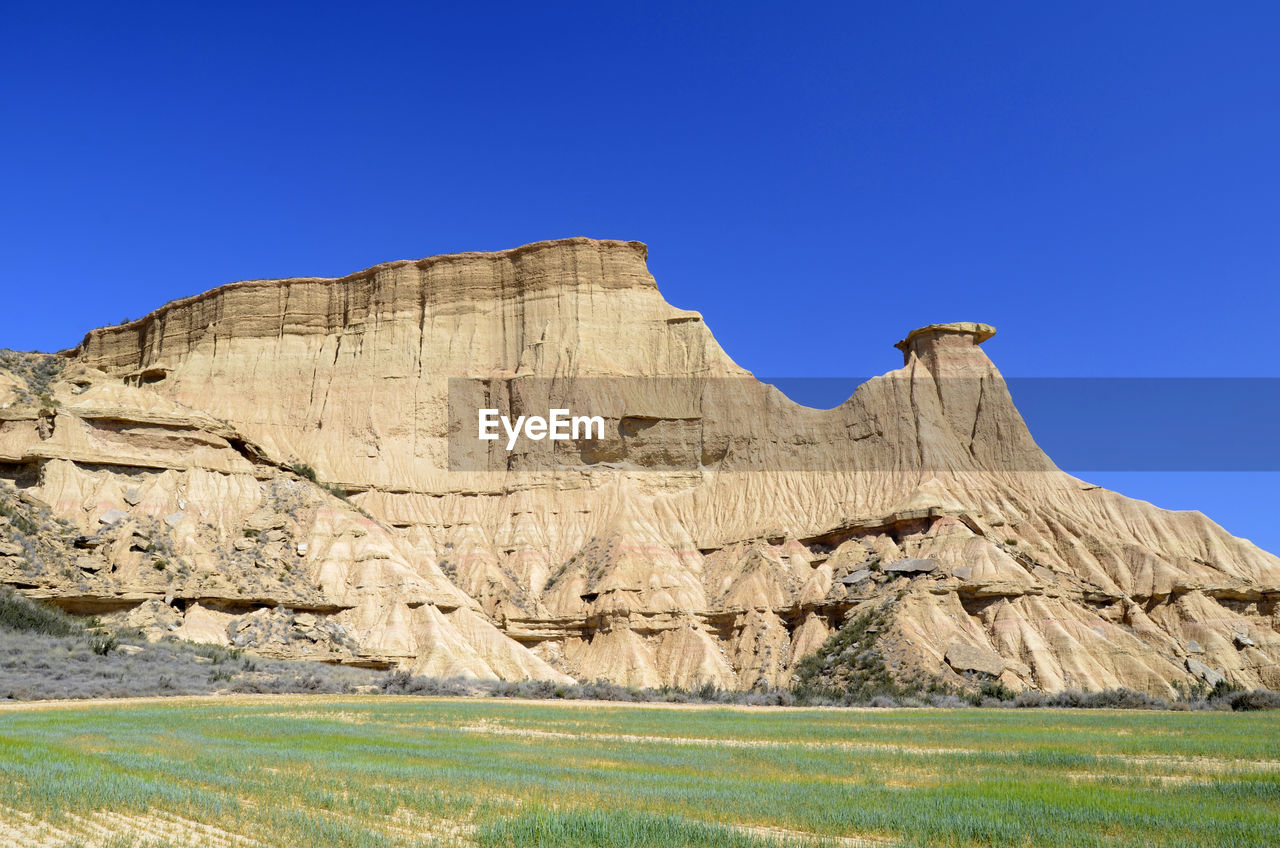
(298, 445)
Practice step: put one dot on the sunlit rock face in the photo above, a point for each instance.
(163, 473)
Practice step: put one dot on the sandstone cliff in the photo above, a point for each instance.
(717, 535)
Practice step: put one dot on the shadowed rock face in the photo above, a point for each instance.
(718, 535)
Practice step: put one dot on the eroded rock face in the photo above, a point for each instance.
(717, 536)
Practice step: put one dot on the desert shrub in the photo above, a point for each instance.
(35, 665)
(947, 701)
(103, 644)
(19, 613)
(37, 370)
(1029, 699)
(1107, 699)
(1258, 699)
(849, 668)
(19, 520)
(336, 490)
(405, 683)
(769, 698)
(992, 690)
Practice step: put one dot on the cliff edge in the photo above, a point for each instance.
(289, 451)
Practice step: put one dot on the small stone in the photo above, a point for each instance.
(1193, 647)
(132, 496)
(10, 549)
(1242, 641)
(244, 544)
(274, 535)
(302, 549)
(112, 516)
(173, 519)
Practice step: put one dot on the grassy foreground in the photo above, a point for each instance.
(350, 771)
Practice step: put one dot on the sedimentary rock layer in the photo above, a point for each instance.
(718, 535)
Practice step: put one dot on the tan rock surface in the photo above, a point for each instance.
(707, 539)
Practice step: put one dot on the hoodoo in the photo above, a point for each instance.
(274, 465)
(925, 341)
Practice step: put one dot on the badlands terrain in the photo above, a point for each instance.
(286, 467)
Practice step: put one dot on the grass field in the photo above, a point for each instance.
(347, 771)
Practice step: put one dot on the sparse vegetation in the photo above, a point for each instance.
(45, 653)
(37, 370)
(22, 615)
(103, 644)
(19, 520)
(305, 471)
(849, 668)
(35, 638)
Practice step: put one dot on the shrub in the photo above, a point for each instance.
(1107, 699)
(1029, 699)
(992, 690)
(1258, 699)
(850, 669)
(19, 613)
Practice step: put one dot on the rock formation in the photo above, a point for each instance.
(285, 466)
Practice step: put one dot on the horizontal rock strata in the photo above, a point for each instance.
(269, 465)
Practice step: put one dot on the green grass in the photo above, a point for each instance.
(397, 772)
(609, 829)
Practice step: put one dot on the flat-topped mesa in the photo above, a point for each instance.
(350, 375)
(716, 540)
(414, 290)
(929, 342)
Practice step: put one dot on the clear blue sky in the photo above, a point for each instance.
(1101, 181)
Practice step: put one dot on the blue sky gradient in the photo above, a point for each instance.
(1098, 180)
